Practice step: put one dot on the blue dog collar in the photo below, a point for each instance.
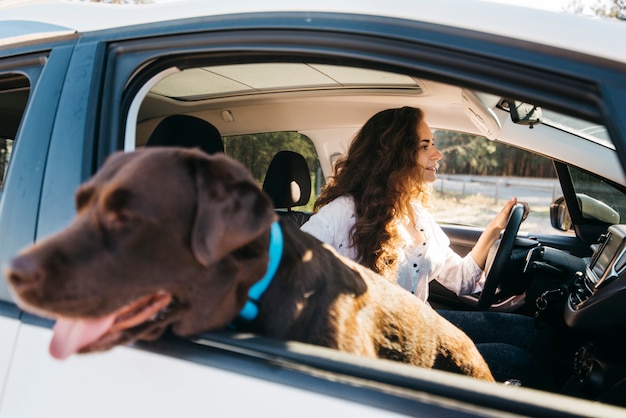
(251, 309)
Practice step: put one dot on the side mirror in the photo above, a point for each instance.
(559, 215)
(592, 209)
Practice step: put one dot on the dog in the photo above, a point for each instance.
(172, 238)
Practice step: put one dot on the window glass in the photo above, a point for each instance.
(598, 199)
(14, 91)
(256, 151)
(6, 147)
(477, 175)
(590, 131)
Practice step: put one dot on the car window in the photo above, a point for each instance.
(14, 91)
(256, 151)
(6, 146)
(590, 131)
(598, 199)
(477, 175)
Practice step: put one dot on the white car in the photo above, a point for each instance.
(538, 97)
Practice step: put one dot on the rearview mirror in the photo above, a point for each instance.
(523, 113)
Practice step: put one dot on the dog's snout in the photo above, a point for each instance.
(24, 272)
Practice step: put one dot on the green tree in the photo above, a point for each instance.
(471, 154)
(604, 8)
(465, 154)
(256, 151)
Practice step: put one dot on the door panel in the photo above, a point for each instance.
(8, 330)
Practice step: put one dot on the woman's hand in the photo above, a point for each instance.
(498, 223)
(491, 233)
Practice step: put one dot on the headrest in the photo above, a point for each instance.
(288, 182)
(186, 131)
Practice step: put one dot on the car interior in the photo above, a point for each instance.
(567, 274)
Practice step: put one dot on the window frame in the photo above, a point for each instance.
(21, 192)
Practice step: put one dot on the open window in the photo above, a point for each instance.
(14, 92)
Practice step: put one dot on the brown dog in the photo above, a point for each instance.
(168, 237)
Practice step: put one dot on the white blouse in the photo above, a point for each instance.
(419, 262)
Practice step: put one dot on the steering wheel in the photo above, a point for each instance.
(496, 270)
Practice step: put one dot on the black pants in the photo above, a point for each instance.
(513, 345)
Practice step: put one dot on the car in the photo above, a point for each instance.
(543, 91)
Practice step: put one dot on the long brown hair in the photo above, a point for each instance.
(381, 174)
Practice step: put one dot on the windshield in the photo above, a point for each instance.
(590, 131)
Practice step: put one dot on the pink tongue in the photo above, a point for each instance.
(71, 335)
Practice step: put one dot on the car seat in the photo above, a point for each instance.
(187, 131)
(288, 183)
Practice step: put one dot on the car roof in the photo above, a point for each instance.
(597, 37)
(446, 105)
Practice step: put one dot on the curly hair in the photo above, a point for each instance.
(381, 174)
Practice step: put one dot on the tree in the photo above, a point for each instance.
(471, 154)
(256, 151)
(610, 9)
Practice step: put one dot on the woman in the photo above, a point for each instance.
(373, 210)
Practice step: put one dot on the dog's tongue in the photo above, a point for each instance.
(71, 335)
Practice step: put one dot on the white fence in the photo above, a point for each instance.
(535, 191)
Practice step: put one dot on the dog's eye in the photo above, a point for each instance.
(115, 213)
(117, 200)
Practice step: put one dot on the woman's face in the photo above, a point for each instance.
(427, 153)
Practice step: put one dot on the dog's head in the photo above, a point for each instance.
(162, 237)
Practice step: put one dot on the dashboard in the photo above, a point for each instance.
(597, 300)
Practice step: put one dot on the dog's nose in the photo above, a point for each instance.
(23, 272)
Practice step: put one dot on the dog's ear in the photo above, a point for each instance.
(231, 209)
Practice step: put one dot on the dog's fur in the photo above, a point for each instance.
(168, 237)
